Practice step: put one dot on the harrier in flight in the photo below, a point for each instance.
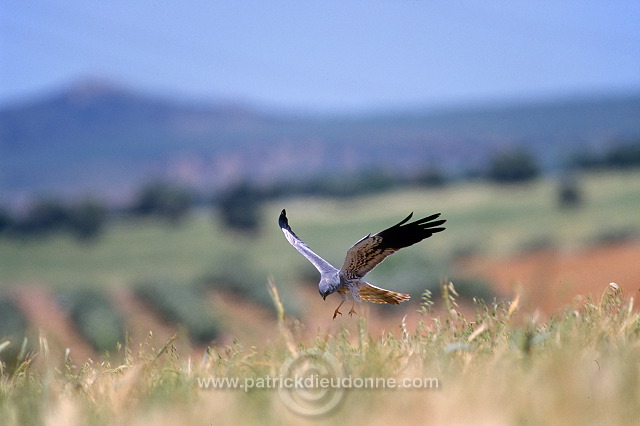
(362, 257)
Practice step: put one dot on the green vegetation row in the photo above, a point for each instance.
(182, 305)
(94, 317)
(101, 324)
(13, 334)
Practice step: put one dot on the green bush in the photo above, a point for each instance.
(513, 166)
(42, 217)
(13, 328)
(87, 220)
(5, 220)
(237, 273)
(569, 194)
(163, 200)
(239, 208)
(180, 304)
(623, 155)
(94, 317)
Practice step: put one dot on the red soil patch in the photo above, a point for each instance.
(45, 315)
(551, 279)
(142, 323)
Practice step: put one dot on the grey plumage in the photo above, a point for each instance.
(362, 257)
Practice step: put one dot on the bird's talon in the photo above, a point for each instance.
(337, 311)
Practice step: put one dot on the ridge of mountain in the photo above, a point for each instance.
(98, 137)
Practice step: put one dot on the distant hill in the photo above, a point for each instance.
(104, 139)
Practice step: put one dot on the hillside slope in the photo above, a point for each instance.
(95, 137)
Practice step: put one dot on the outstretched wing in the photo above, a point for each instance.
(321, 265)
(364, 255)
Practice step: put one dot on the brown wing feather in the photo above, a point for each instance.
(367, 253)
(371, 293)
(363, 256)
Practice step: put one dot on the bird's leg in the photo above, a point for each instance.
(352, 311)
(337, 310)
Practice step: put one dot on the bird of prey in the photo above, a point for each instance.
(362, 257)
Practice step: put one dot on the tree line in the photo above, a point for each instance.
(85, 220)
(619, 155)
(238, 206)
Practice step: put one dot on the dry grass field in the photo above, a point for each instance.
(557, 345)
(581, 366)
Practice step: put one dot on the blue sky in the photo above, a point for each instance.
(326, 55)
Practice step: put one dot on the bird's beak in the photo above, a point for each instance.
(324, 297)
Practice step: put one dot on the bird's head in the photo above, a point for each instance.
(326, 287)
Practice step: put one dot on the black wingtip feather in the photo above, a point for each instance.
(406, 219)
(401, 235)
(432, 224)
(282, 220)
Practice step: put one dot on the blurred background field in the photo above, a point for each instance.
(482, 218)
(147, 149)
(491, 231)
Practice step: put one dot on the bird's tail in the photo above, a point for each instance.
(371, 293)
